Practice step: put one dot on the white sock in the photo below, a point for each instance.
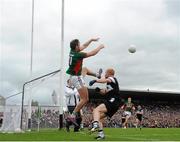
(101, 133)
(82, 125)
(95, 124)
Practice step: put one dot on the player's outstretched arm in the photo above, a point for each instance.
(86, 44)
(95, 51)
(102, 80)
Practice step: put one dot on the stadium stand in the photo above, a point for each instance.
(161, 109)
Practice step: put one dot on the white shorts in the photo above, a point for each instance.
(77, 81)
(127, 114)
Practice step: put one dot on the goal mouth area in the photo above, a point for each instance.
(39, 80)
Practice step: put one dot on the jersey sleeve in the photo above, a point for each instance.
(112, 79)
(81, 55)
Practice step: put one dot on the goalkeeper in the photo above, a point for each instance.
(111, 104)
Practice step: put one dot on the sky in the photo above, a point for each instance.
(153, 26)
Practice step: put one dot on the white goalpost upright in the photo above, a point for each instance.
(17, 115)
(62, 73)
(31, 67)
(60, 95)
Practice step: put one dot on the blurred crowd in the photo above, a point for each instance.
(155, 116)
(46, 118)
(161, 116)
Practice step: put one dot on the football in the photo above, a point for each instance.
(132, 48)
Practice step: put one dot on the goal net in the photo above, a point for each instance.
(11, 119)
(43, 95)
(40, 106)
(11, 114)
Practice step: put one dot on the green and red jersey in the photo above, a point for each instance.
(128, 106)
(75, 62)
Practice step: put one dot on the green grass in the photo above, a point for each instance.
(112, 134)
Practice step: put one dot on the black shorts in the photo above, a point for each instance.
(112, 106)
(123, 119)
(139, 117)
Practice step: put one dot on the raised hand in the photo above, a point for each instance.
(95, 39)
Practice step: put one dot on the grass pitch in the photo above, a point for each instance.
(112, 134)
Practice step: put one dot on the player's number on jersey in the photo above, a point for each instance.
(70, 60)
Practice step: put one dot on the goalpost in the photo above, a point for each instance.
(25, 112)
(35, 82)
(61, 82)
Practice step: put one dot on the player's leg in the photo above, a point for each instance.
(67, 124)
(66, 114)
(137, 122)
(82, 120)
(101, 134)
(126, 122)
(128, 115)
(140, 122)
(123, 122)
(140, 125)
(85, 71)
(78, 121)
(98, 113)
(78, 83)
(83, 92)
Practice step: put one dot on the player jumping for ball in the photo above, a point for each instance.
(75, 68)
